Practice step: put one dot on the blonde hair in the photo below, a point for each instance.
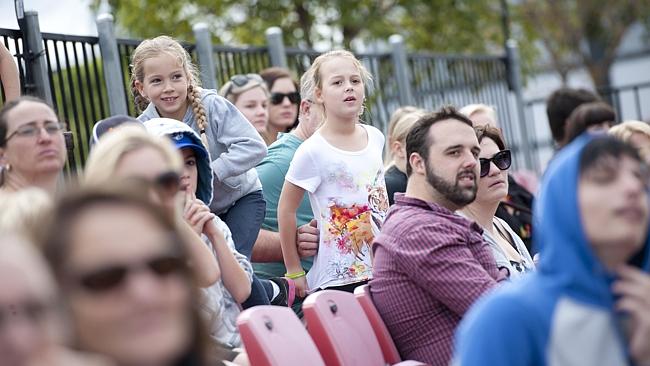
(109, 151)
(232, 92)
(625, 130)
(315, 69)
(401, 122)
(154, 47)
(472, 109)
(24, 211)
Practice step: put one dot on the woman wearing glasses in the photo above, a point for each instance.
(507, 247)
(284, 102)
(32, 146)
(249, 94)
(122, 268)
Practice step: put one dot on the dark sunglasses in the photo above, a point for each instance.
(240, 80)
(167, 183)
(112, 277)
(277, 98)
(502, 160)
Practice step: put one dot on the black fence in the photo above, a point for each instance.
(76, 78)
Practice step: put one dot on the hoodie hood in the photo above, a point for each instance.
(559, 235)
(182, 135)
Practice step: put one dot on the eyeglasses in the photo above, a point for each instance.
(277, 98)
(112, 277)
(33, 130)
(240, 80)
(502, 160)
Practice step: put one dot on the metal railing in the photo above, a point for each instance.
(81, 74)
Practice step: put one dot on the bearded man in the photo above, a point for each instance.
(430, 264)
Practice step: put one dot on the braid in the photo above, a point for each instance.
(140, 102)
(194, 95)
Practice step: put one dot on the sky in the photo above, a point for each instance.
(55, 16)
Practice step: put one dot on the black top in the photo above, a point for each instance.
(395, 182)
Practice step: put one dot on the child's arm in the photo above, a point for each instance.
(290, 199)
(234, 278)
(9, 74)
(203, 262)
(245, 146)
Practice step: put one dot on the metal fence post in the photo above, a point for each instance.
(111, 64)
(276, 47)
(401, 67)
(204, 52)
(36, 62)
(514, 75)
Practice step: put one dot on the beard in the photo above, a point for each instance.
(454, 193)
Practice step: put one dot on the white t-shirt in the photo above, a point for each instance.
(348, 196)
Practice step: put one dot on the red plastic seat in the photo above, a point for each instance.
(274, 336)
(388, 348)
(341, 331)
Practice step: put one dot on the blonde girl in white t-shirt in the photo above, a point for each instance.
(341, 169)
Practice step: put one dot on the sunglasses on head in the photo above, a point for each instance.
(114, 276)
(277, 98)
(502, 160)
(240, 80)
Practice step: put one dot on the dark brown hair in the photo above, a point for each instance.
(560, 105)
(272, 74)
(417, 140)
(586, 115)
(492, 133)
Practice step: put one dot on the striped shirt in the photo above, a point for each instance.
(430, 266)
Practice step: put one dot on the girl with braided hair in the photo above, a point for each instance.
(164, 83)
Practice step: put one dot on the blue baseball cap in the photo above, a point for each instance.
(182, 139)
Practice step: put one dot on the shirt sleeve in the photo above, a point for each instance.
(303, 170)
(245, 147)
(437, 257)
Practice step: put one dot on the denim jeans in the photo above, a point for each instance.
(244, 220)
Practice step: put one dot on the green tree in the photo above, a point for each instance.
(582, 32)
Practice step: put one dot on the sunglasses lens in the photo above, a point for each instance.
(485, 166)
(165, 265)
(294, 98)
(277, 98)
(502, 159)
(103, 280)
(239, 80)
(168, 182)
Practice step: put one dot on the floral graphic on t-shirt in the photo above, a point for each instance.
(350, 228)
(345, 269)
(339, 174)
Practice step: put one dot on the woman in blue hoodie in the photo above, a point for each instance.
(589, 301)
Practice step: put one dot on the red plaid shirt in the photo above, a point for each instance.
(430, 265)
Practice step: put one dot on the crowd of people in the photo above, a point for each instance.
(263, 192)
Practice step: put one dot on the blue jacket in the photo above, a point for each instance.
(564, 313)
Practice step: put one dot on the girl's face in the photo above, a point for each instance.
(494, 186)
(35, 142)
(341, 92)
(283, 114)
(128, 296)
(165, 85)
(149, 164)
(190, 175)
(613, 202)
(253, 104)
